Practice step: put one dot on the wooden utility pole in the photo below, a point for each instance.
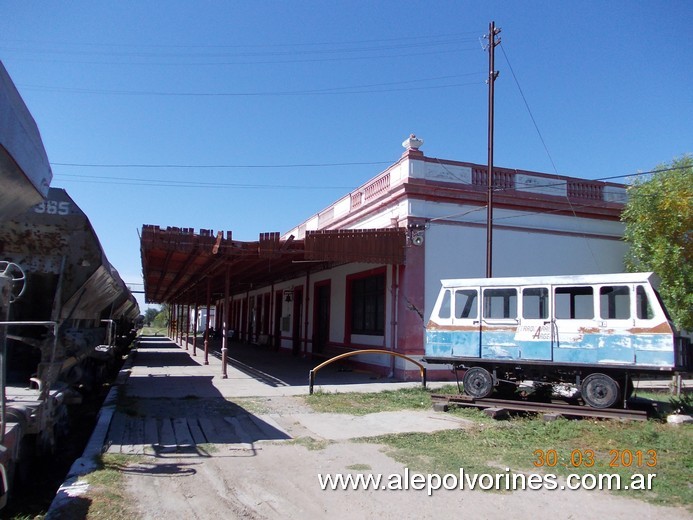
(493, 31)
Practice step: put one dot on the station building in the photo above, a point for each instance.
(364, 272)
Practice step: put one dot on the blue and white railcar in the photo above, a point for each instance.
(595, 332)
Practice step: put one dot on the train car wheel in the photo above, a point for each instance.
(600, 391)
(16, 273)
(477, 382)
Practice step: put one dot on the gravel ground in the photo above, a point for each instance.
(279, 479)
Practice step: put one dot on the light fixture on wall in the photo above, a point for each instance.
(288, 295)
(416, 233)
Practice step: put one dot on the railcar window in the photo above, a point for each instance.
(466, 304)
(444, 311)
(500, 303)
(642, 304)
(614, 302)
(535, 303)
(574, 303)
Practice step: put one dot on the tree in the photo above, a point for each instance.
(150, 314)
(659, 231)
(161, 319)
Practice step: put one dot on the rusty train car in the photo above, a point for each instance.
(68, 318)
(66, 315)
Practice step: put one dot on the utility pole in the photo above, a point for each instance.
(493, 31)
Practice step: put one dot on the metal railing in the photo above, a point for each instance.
(311, 375)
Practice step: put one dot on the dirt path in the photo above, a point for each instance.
(271, 479)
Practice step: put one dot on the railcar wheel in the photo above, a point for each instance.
(16, 273)
(600, 391)
(477, 382)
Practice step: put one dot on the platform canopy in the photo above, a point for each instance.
(181, 266)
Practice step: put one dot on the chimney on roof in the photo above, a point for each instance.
(411, 146)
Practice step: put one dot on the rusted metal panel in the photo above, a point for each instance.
(52, 241)
(25, 173)
(381, 246)
(177, 262)
(100, 290)
(269, 246)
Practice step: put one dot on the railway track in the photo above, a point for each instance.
(499, 407)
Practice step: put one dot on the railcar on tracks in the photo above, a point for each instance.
(585, 337)
(66, 319)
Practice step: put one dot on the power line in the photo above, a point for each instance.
(323, 47)
(247, 45)
(602, 179)
(132, 181)
(168, 182)
(318, 92)
(536, 127)
(150, 63)
(249, 54)
(220, 166)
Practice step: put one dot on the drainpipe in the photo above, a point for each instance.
(393, 324)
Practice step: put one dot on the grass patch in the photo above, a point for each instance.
(355, 403)
(359, 467)
(490, 446)
(513, 444)
(154, 331)
(666, 403)
(310, 443)
(254, 405)
(106, 496)
(208, 448)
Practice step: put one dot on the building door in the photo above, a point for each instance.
(321, 323)
(297, 321)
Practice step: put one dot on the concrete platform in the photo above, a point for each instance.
(168, 402)
(252, 371)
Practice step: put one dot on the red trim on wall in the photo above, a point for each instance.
(437, 191)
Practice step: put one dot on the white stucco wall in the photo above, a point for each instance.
(459, 251)
(337, 277)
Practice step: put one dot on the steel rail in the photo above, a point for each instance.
(528, 406)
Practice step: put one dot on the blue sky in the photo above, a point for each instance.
(196, 114)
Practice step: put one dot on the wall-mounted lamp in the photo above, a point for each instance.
(416, 233)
